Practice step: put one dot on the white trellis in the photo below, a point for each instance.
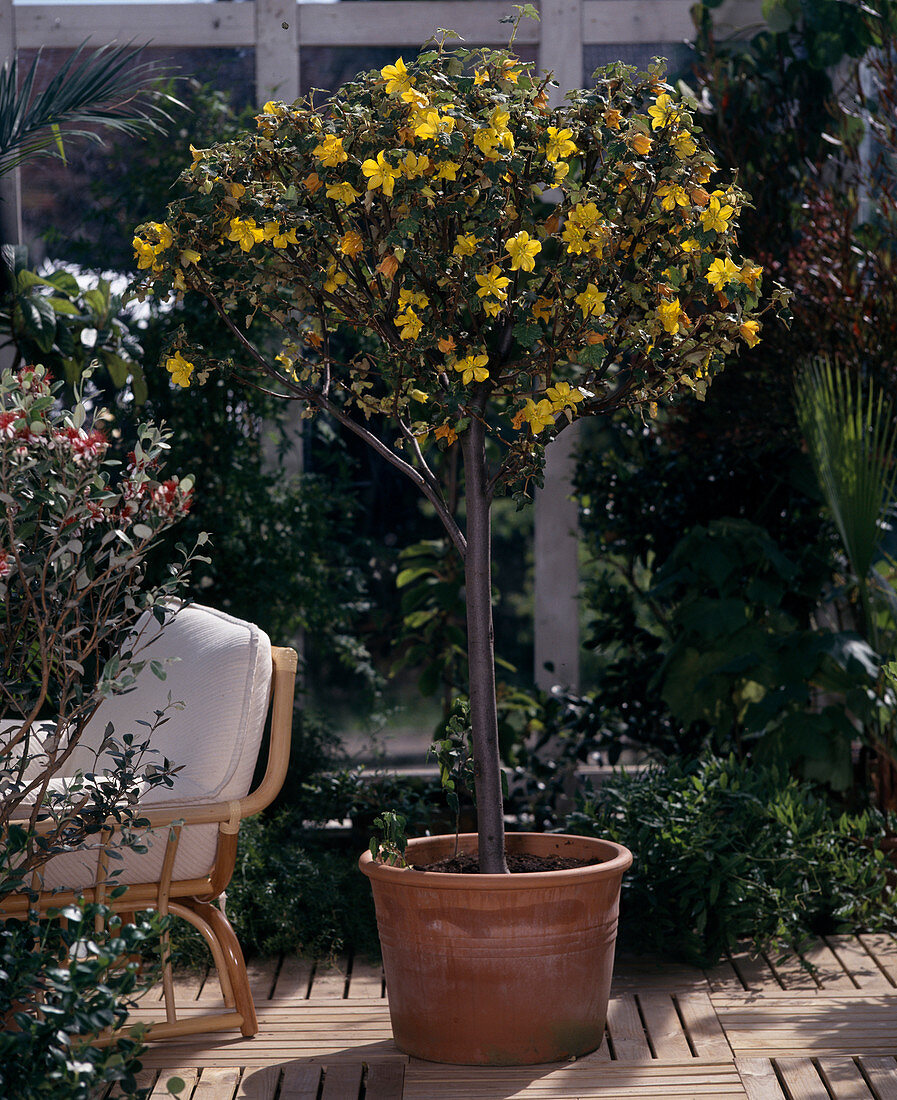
(278, 30)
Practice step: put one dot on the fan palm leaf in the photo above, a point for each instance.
(852, 444)
(106, 87)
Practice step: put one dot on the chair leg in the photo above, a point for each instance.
(235, 965)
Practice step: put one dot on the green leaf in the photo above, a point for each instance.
(63, 306)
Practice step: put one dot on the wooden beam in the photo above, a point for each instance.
(276, 51)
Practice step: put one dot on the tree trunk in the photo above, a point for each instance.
(480, 653)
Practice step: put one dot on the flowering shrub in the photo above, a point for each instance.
(510, 266)
(72, 550)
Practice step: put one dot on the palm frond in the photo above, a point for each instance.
(852, 443)
(108, 87)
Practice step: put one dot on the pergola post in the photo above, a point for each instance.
(276, 51)
(11, 182)
(556, 536)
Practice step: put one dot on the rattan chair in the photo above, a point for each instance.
(229, 678)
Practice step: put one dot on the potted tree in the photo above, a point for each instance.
(453, 263)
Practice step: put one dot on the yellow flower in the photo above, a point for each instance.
(669, 315)
(561, 171)
(560, 144)
(591, 301)
(163, 234)
(351, 244)
(420, 396)
(721, 272)
(493, 284)
(523, 251)
(612, 118)
(335, 278)
(539, 416)
(509, 70)
(663, 112)
(472, 367)
(446, 432)
(652, 409)
(180, 369)
(563, 394)
(749, 332)
(684, 145)
(750, 274)
(672, 195)
(541, 309)
(641, 143)
(330, 151)
(480, 77)
(430, 124)
(689, 245)
(343, 192)
(189, 256)
(575, 238)
(397, 77)
(145, 253)
(446, 170)
(717, 214)
(413, 298)
(245, 232)
(414, 166)
(486, 139)
(280, 238)
(409, 324)
(585, 214)
(492, 309)
(380, 173)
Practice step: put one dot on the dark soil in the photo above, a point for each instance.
(467, 863)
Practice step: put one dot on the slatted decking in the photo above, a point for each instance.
(757, 1028)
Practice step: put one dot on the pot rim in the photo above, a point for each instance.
(438, 880)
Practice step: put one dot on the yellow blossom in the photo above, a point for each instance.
(145, 253)
(180, 369)
(523, 251)
(446, 170)
(721, 271)
(750, 274)
(612, 118)
(591, 301)
(280, 238)
(493, 284)
(430, 124)
(641, 143)
(492, 309)
(409, 324)
(575, 238)
(669, 315)
(446, 344)
(414, 166)
(446, 432)
(245, 232)
(397, 77)
(672, 195)
(717, 214)
(351, 244)
(563, 394)
(585, 214)
(541, 309)
(163, 234)
(486, 140)
(335, 278)
(473, 368)
(480, 76)
(413, 298)
(560, 144)
(749, 332)
(380, 173)
(189, 256)
(539, 416)
(663, 112)
(510, 71)
(343, 192)
(689, 245)
(419, 395)
(684, 145)
(330, 151)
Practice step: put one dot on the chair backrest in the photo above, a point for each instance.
(219, 668)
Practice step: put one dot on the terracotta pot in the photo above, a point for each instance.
(499, 969)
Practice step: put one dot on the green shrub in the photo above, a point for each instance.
(727, 851)
(61, 984)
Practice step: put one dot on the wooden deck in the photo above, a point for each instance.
(756, 1028)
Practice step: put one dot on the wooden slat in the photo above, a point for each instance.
(342, 1082)
(801, 1079)
(664, 1027)
(366, 978)
(329, 981)
(259, 1084)
(216, 1084)
(843, 1079)
(884, 950)
(300, 1082)
(703, 1026)
(262, 973)
(627, 1033)
(723, 978)
(188, 1076)
(384, 1081)
(882, 1076)
(293, 979)
(754, 971)
(791, 972)
(759, 1079)
(858, 963)
(828, 969)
